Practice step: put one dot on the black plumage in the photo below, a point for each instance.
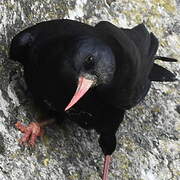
(116, 64)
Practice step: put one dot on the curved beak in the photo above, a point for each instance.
(83, 86)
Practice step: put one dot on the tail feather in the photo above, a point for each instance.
(165, 59)
(158, 73)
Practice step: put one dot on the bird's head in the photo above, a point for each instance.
(94, 63)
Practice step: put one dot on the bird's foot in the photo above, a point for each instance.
(31, 132)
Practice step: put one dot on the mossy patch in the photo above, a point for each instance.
(168, 5)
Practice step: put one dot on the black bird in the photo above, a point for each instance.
(101, 71)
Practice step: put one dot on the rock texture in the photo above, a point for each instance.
(148, 139)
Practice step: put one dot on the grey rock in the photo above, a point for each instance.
(148, 140)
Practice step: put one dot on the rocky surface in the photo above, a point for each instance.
(148, 139)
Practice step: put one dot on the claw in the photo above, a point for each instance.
(31, 132)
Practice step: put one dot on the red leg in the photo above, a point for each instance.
(106, 167)
(32, 131)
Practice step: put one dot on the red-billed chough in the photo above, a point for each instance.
(102, 70)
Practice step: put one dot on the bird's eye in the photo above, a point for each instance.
(89, 62)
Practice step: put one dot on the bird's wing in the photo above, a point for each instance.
(134, 51)
(158, 73)
(146, 42)
(147, 45)
(136, 41)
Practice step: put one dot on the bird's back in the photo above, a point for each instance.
(135, 50)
